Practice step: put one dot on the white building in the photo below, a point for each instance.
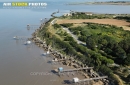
(67, 14)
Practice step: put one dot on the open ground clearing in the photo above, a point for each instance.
(119, 23)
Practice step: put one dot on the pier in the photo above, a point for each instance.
(62, 71)
(77, 69)
(21, 37)
(88, 81)
(36, 26)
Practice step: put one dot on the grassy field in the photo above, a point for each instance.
(119, 23)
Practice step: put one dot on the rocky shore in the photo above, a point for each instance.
(65, 60)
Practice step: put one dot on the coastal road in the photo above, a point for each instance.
(74, 36)
(69, 32)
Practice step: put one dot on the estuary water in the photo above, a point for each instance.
(18, 62)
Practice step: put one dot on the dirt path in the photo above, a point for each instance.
(120, 23)
(120, 81)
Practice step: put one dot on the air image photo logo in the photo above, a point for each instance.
(23, 5)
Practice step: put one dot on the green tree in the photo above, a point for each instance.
(56, 26)
(128, 77)
(127, 60)
(90, 42)
(76, 32)
(68, 38)
(104, 69)
(67, 24)
(104, 42)
(120, 53)
(125, 45)
(82, 38)
(83, 33)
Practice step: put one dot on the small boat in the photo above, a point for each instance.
(44, 54)
(47, 52)
(27, 42)
(28, 25)
(15, 37)
(54, 60)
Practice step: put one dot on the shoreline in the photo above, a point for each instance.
(59, 56)
(70, 62)
(67, 63)
(125, 3)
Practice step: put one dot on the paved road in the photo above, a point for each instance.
(74, 36)
(68, 31)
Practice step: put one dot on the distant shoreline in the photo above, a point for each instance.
(101, 3)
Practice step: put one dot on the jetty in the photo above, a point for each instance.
(88, 81)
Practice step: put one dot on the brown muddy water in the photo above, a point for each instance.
(21, 64)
